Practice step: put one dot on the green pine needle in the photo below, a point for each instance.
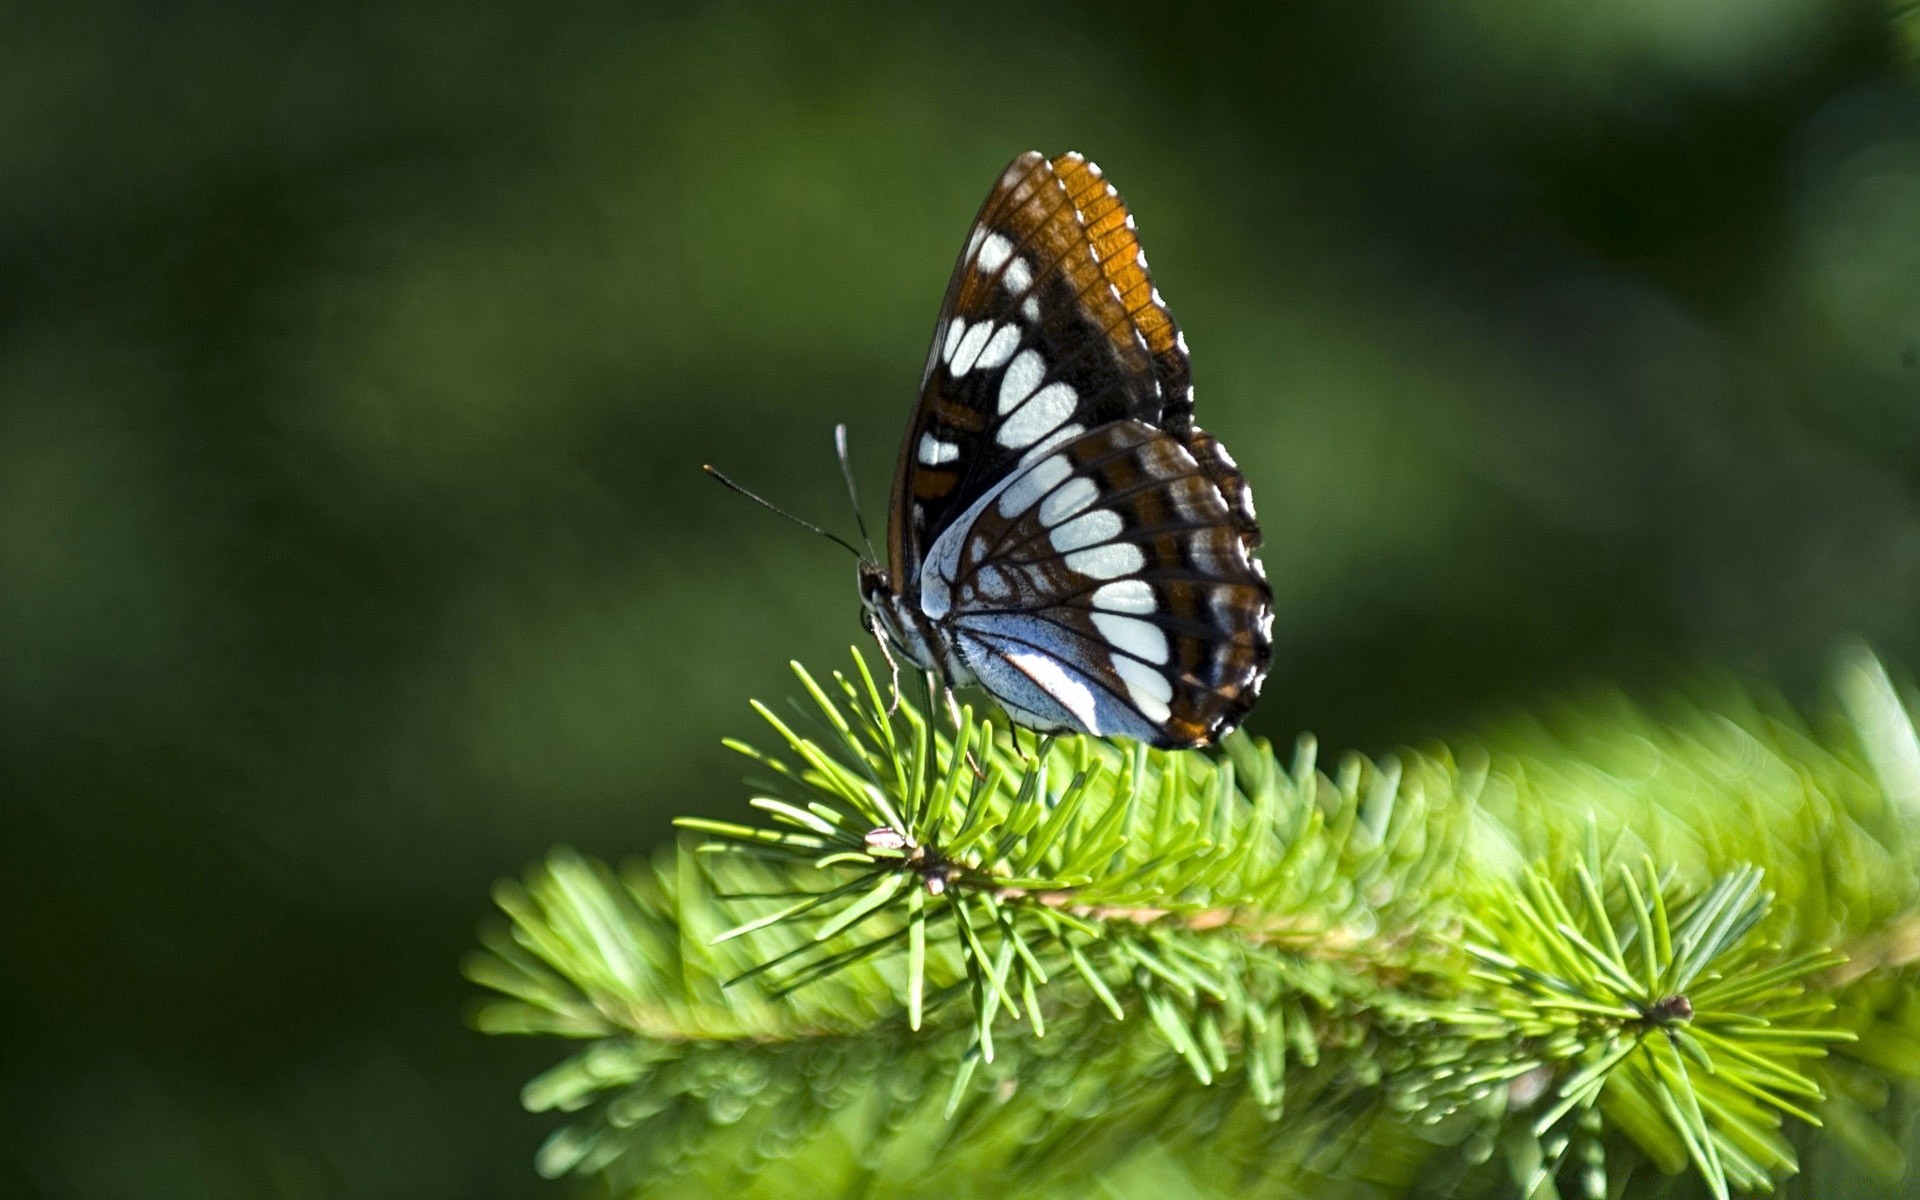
(939, 954)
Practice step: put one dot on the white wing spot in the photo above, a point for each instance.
(1140, 259)
(1057, 438)
(1018, 277)
(999, 348)
(1183, 506)
(991, 584)
(1125, 596)
(1022, 377)
(1139, 638)
(1148, 688)
(1111, 561)
(1266, 624)
(933, 451)
(1031, 309)
(994, 252)
(1089, 529)
(1073, 695)
(1044, 410)
(954, 331)
(1067, 501)
(969, 348)
(1180, 340)
(1036, 482)
(973, 241)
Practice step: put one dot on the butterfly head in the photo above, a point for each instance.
(892, 620)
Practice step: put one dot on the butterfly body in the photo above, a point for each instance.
(1061, 533)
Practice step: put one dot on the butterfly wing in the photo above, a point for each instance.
(1110, 587)
(1085, 547)
(1051, 326)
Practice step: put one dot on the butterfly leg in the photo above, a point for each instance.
(873, 627)
(1013, 734)
(1042, 743)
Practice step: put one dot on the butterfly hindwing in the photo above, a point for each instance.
(1107, 587)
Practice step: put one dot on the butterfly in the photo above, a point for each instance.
(1061, 533)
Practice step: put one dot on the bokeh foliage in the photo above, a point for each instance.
(355, 364)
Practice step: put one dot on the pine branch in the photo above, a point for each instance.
(1610, 940)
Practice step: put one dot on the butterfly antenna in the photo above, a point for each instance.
(770, 506)
(853, 493)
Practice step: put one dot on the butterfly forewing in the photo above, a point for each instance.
(1051, 326)
(1060, 529)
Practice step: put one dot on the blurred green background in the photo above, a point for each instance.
(357, 363)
